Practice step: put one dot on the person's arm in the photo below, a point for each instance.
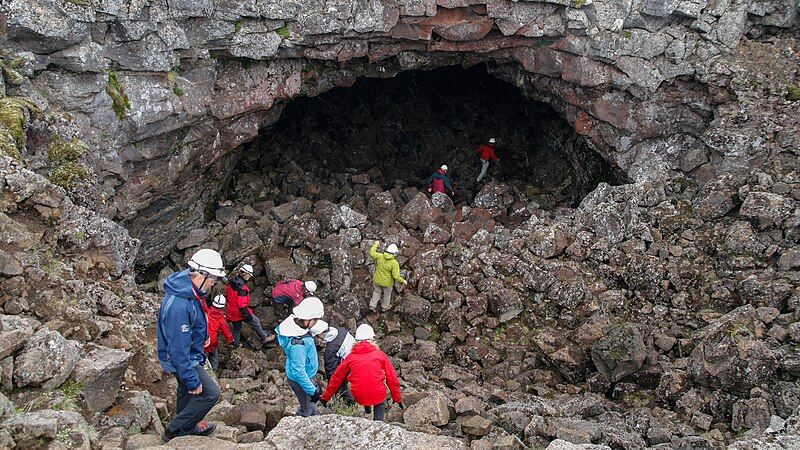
(226, 330)
(297, 369)
(336, 380)
(178, 325)
(373, 251)
(396, 273)
(447, 183)
(391, 379)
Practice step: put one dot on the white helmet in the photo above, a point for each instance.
(311, 287)
(392, 248)
(492, 141)
(248, 269)
(444, 167)
(364, 332)
(310, 308)
(209, 261)
(220, 301)
(319, 328)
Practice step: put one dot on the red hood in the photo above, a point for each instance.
(441, 171)
(364, 347)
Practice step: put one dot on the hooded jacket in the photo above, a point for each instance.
(293, 289)
(439, 182)
(337, 349)
(182, 329)
(369, 371)
(487, 152)
(387, 269)
(302, 362)
(237, 294)
(217, 324)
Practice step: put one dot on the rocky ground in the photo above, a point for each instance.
(659, 313)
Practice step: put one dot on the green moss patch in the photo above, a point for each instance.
(61, 151)
(121, 102)
(793, 92)
(68, 173)
(284, 32)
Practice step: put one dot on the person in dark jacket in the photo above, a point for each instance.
(440, 182)
(182, 334)
(369, 372)
(486, 153)
(338, 343)
(238, 296)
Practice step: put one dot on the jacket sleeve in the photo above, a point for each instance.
(373, 251)
(429, 181)
(447, 183)
(391, 379)
(332, 361)
(336, 380)
(396, 272)
(494, 156)
(178, 325)
(212, 335)
(226, 330)
(297, 369)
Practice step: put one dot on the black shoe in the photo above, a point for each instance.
(368, 409)
(207, 430)
(168, 435)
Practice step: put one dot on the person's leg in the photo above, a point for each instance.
(344, 391)
(387, 298)
(213, 360)
(183, 396)
(484, 168)
(284, 302)
(380, 411)
(306, 408)
(236, 330)
(376, 295)
(255, 324)
(197, 406)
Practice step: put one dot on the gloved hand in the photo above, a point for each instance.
(316, 395)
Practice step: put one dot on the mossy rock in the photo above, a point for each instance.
(68, 173)
(793, 92)
(8, 145)
(61, 151)
(120, 101)
(13, 116)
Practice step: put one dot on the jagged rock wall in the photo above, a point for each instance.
(163, 92)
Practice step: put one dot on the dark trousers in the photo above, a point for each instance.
(253, 322)
(213, 359)
(307, 407)
(287, 302)
(193, 408)
(379, 411)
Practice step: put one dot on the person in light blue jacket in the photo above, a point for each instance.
(302, 362)
(182, 333)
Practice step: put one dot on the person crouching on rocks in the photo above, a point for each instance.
(182, 334)
(369, 371)
(217, 324)
(301, 353)
(387, 272)
(238, 295)
(440, 182)
(338, 344)
(291, 292)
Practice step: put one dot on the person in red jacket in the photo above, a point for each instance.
(291, 292)
(487, 154)
(238, 296)
(216, 323)
(369, 371)
(440, 182)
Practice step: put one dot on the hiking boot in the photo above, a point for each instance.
(368, 409)
(168, 435)
(203, 429)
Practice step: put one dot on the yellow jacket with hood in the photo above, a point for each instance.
(387, 270)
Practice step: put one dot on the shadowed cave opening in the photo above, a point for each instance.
(400, 130)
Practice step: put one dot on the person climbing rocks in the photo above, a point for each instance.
(217, 324)
(486, 152)
(338, 343)
(238, 296)
(440, 182)
(291, 292)
(387, 272)
(369, 372)
(182, 334)
(301, 353)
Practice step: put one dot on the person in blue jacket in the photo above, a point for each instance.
(182, 334)
(302, 362)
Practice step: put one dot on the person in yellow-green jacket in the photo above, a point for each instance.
(387, 272)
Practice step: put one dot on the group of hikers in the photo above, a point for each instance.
(188, 337)
(440, 181)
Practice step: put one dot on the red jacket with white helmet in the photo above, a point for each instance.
(369, 371)
(294, 289)
(217, 324)
(487, 152)
(238, 296)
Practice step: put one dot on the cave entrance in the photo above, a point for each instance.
(400, 130)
